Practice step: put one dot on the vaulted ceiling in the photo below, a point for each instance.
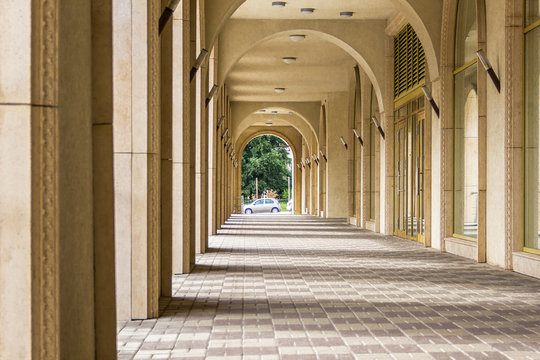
(320, 67)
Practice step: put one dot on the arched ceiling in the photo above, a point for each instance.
(324, 9)
(320, 67)
(257, 37)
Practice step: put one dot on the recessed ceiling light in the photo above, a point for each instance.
(274, 112)
(307, 10)
(262, 110)
(291, 113)
(346, 14)
(297, 37)
(279, 90)
(288, 60)
(278, 4)
(268, 124)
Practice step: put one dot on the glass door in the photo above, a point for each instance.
(409, 172)
(400, 211)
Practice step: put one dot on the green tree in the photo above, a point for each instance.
(265, 158)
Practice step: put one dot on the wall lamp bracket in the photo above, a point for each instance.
(344, 143)
(358, 137)
(228, 141)
(220, 122)
(167, 14)
(315, 158)
(211, 94)
(376, 122)
(429, 98)
(323, 155)
(487, 66)
(200, 59)
(224, 133)
(299, 166)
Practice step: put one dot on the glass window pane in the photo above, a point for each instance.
(466, 153)
(532, 136)
(466, 33)
(532, 11)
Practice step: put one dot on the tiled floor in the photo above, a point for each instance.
(284, 287)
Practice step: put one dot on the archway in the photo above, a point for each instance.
(268, 156)
(294, 140)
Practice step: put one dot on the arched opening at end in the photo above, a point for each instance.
(267, 175)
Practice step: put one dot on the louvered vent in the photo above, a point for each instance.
(409, 61)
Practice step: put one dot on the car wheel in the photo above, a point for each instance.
(275, 210)
(249, 211)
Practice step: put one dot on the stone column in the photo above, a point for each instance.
(166, 38)
(182, 56)
(103, 182)
(219, 169)
(47, 146)
(337, 170)
(322, 162)
(306, 209)
(201, 140)
(137, 157)
(213, 119)
(314, 173)
(201, 162)
(365, 126)
(386, 147)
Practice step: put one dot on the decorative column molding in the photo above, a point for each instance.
(154, 161)
(447, 115)
(45, 177)
(513, 131)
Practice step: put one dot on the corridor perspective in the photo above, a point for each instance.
(302, 287)
(405, 150)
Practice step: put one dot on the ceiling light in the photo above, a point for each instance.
(346, 14)
(278, 4)
(307, 10)
(263, 111)
(288, 60)
(274, 112)
(291, 113)
(297, 37)
(279, 90)
(268, 124)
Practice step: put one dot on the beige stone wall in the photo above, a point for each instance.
(15, 194)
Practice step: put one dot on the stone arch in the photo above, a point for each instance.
(367, 54)
(261, 132)
(424, 19)
(243, 117)
(246, 137)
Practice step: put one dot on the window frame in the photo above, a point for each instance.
(455, 72)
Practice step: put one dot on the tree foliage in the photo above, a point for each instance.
(265, 158)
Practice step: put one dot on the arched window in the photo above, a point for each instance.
(532, 125)
(466, 122)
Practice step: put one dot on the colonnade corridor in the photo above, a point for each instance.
(303, 287)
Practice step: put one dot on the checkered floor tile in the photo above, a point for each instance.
(299, 287)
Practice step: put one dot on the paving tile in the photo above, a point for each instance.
(300, 287)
